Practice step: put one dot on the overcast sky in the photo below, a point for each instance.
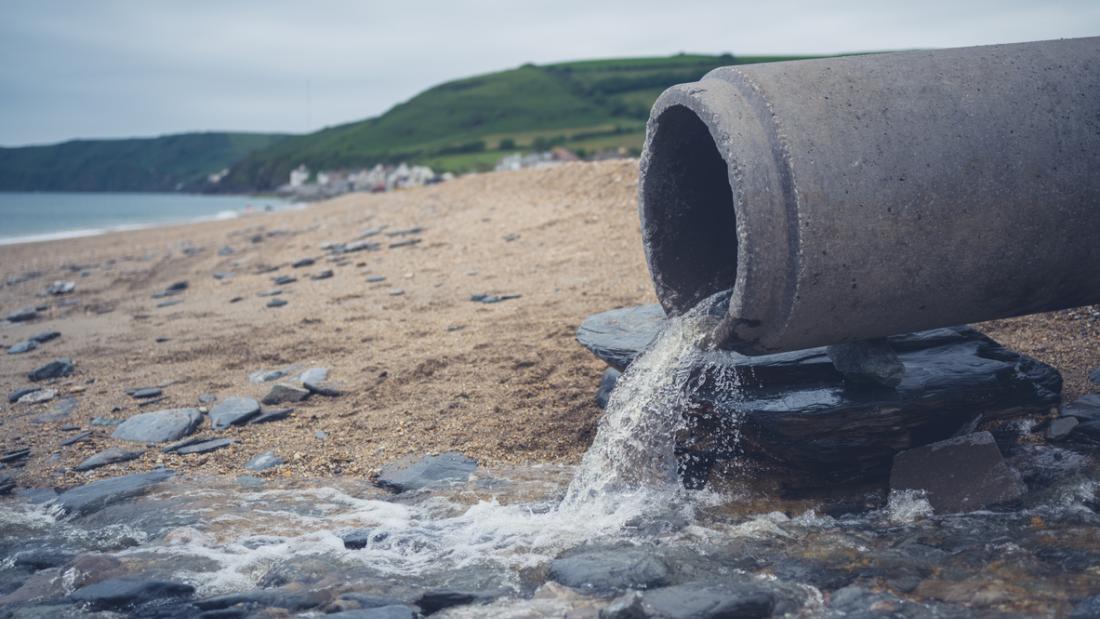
(134, 68)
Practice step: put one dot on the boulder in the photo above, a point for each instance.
(159, 426)
(233, 411)
(89, 498)
(961, 474)
(606, 570)
(413, 474)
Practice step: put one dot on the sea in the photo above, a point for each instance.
(40, 216)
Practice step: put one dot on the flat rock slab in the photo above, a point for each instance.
(609, 570)
(89, 498)
(409, 474)
(233, 411)
(695, 600)
(120, 593)
(159, 426)
(795, 410)
(282, 392)
(112, 455)
(204, 446)
(958, 475)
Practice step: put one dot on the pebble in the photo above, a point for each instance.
(236, 299)
(264, 461)
(36, 396)
(276, 303)
(314, 379)
(606, 570)
(13, 396)
(274, 292)
(233, 411)
(45, 336)
(283, 280)
(283, 392)
(205, 446)
(22, 347)
(207, 398)
(112, 455)
(54, 369)
(405, 231)
(493, 298)
(143, 393)
(327, 273)
(221, 275)
(23, 315)
(226, 250)
(159, 426)
(374, 279)
(106, 421)
(60, 287)
(303, 262)
(169, 303)
(396, 292)
(320, 435)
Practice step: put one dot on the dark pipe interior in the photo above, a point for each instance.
(691, 228)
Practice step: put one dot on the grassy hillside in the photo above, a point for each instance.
(469, 124)
(167, 163)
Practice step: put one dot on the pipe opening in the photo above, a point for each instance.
(687, 202)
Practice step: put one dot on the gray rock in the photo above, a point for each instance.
(959, 475)
(112, 455)
(14, 396)
(374, 279)
(276, 303)
(283, 280)
(15, 457)
(396, 292)
(144, 393)
(1085, 408)
(7, 485)
(121, 593)
(607, 385)
(77, 438)
(413, 474)
(327, 273)
(868, 361)
(1088, 608)
(169, 303)
(709, 601)
(45, 336)
(233, 411)
(266, 376)
(1094, 376)
(493, 298)
(21, 347)
(159, 426)
(204, 446)
(54, 369)
(358, 539)
(274, 414)
(89, 498)
(264, 461)
(394, 611)
(320, 435)
(617, 336)
(36, 396)
(315, 380)
(626, 606)
(282, 392)
(1060, 428)
(303, 262)
(207, 398)
(177, 286)
(436, 600)
(106, 421)
(289, 600)
(607, 570)
(60, 287)
(59, 412)
(25, 314)
(221, 275)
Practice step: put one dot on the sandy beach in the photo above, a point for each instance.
(423, 368)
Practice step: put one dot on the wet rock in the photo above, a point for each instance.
(1060, 428)
(960, 474)
(870, 361)
(361, 538)
(1085, 408)
(264, 461)
(730, 598)
(1088, 608)
(25, 314)
(54, 369)
(89, 498)
(112, 455)
(275, 414)
(276, 303)
(60, 287)
(283, 280)
(159, 426)
(45, 336)
(120, 593)
(395, 611)
(606, 570)
(413, 474)
(205, 446)
(617, 336)
(16, 395)
(303, 262)
(283, 392)
(254, 600)
(607, 385)
(626, 606)
(436, 600)
(59, 412)
(36, 396)
(1087, 432)
(76, 438)
(22, 347)
(493, 298)
(144, 393)
(233, 411)
(40, 559)
(327, 273)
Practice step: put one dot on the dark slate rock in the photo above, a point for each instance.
(1087, 432)
(626, 606)
(41, 559)
(59, 412)
(89, 498)
(283, 280)
(617, 336)
(264, 461)
(607, 385)
(327, 273)
(21, 347)
(205, 446)
(709, 601)
(7, 484)
(1060, 428)
(603, 571)
(871, 361)
(1085, 408)
(54, 369)
(1088, 608)
(275, 414)
(177, 286)
(233, 411)
(276, 303)
(14, 396)
(303, 262)
(960, 474)
(405, 231)
(316, 381)
(22, 315)
(111, 455)
(413, 474)
(493, 298)
(144, 392)
(361, 538)
(159, 426)
(436, 600)
(266, 598)
(76, 438)
(187, 442)
(45, 336)
(120, 593)
(394, 611)
(37, 396)
(282, 392)
(15, 457)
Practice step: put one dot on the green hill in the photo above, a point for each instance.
(468, 124)
(166, 163)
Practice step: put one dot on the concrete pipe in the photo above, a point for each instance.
(849, 198)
